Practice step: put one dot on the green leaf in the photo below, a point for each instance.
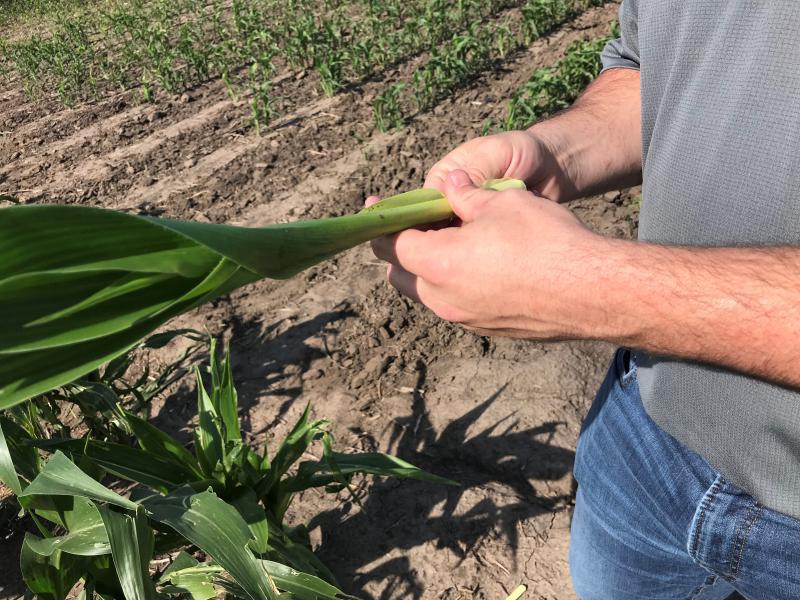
(198, 586)
(296, 443)
(8, 474)
(86, 536)
(132, 541)
(69, 512)
(133, 464)
(218, 530)
(302, 585)
(26, 374)
(155, 441)
(253, 513)
(296, 555)
(104, 280)
(188, 577)
(60, 477)
(182, 561)
(228, 401)
(320, 473)
(24, 457)
(299, 586)
(52, 576)
(208, 439)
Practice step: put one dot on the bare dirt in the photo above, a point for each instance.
(499, 416)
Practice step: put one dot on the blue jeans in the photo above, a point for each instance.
(653, 520)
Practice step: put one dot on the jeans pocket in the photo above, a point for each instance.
(626, 367)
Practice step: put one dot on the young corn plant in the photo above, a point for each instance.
(215, 516)
(331, 71)
(119, 276)
(551, 89)
(452, 65)
(386, 110)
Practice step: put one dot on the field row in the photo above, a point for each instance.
(169, 46)
(452, 66)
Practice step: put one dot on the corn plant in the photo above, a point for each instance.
(105, 280)
(224, 499)
(551, 89)
(452, 65)
(456, 61)
(331, 72)
(386, 110)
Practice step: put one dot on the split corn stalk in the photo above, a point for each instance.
(80, 286)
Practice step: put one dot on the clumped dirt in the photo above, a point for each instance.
(501, 417)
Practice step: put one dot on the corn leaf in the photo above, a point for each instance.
(253, 513)
(8, 474)
(60, 477)
(299, 439)
(208, 438)
(227, 398)
(297, 555)
(86, 536)
(132, 541)
(197, 583)
(161, 472)
(320, 473)
(218, 530)
(51, 576)
(185, 576)
(302, 585)
(80, 286)
(22, 460)
(156, 442)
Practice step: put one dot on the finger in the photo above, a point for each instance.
(436, 176)
(419, 252)
(408, 249)
(464, 196)
(371, 200)
(406, 283)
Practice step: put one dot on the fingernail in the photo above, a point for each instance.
(459, 178)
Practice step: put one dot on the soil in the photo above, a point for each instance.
(500, 417)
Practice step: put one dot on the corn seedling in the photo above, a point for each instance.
(171, 45)
(554, 88)
(224, 498)
(119, 276)
(386, 110)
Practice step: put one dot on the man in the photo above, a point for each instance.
(689, 462)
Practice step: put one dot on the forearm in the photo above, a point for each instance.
(734, 307)
(596, 143)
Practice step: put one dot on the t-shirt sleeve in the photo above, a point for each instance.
(623, 52)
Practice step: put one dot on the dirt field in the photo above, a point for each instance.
(501, 417)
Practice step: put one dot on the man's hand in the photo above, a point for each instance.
(523, 266)
(514, 267)
(516, 154)
(593, 147)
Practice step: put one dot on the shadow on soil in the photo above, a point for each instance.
(404, 515)
(260, 360)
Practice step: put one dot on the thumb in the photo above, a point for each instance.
(464, 196)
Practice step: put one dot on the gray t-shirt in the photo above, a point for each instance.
(721, 155)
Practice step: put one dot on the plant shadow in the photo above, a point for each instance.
(405, 515)
(262, 359)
